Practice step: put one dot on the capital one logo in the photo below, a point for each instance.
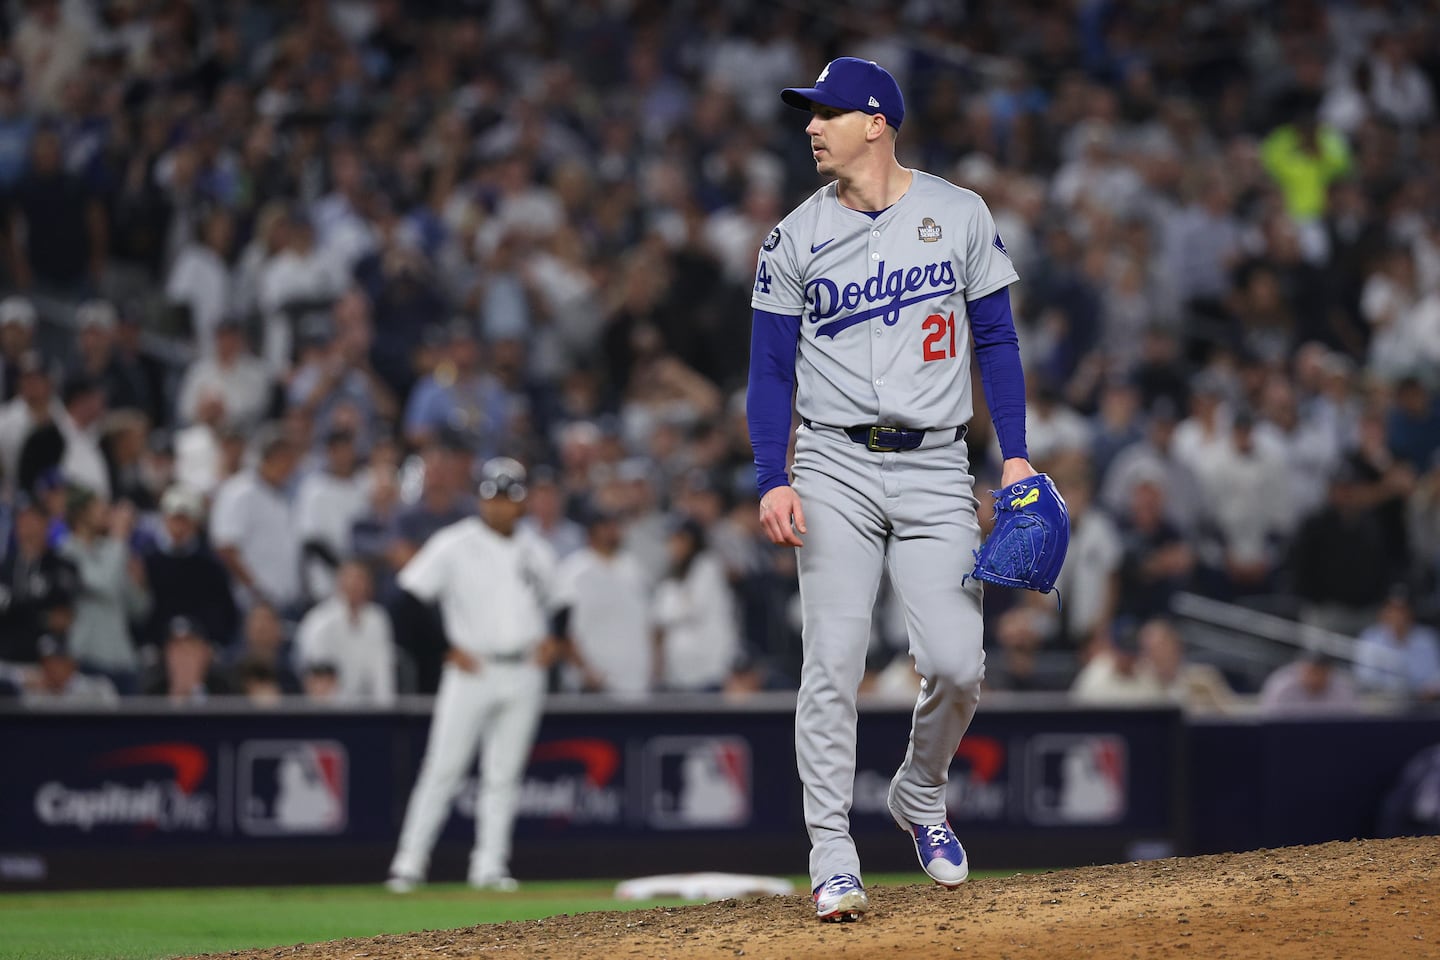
(148, 787)
(292, 787)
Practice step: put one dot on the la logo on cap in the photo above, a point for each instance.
(823, 74)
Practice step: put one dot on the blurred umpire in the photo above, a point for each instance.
(492, 581)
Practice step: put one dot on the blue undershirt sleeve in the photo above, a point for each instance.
(774, 339)
(998, 351)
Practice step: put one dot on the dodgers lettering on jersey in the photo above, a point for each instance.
(884, 336)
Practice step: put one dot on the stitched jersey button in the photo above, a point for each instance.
(874, 233)
(879, 381)
(874, 256)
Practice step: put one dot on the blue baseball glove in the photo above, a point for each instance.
(1032, 532)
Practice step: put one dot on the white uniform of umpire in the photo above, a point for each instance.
(492, 593)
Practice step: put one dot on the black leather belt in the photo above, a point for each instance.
(883, 439)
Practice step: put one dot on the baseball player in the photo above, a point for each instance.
(865, 299)
(490, 580)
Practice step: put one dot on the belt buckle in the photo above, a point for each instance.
(873, 442)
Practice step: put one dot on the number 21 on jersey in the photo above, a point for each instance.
(762, 278)
(939, 336)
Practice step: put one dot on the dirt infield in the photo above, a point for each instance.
(1373, 899)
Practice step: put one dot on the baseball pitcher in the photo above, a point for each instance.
(866, 298)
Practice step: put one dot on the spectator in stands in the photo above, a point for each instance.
(336, 377)
(1414, 426)
(34, 405)
(297, 281)
(17, 337)
(79, 424)
(370, 534)
(1397, 656)
(57, 227)
(253, 528)
(187, 673)
(1195, 686)
(1153, 457)
(38, 586)
(1385, 484)
(112, 592)
(123, 436)
(1305, 444)
(1248, 510)
(138, 378)
(259, 685)
(351, 633)
(52, 48)
(1400, 323)
(694, 612)
(1204, 435)
(460, 395)
(1089, 581)
(1312, 684)
(58, 679)
(1117, 424)
(238, 378)
(1338, 565)
(1056, 429)
(1304, 157)
(321, 682)
(327, 505)
(185, 577)
(17, 128)
(1013, 660)
(96, 322)
(199, 448)
(546, 517)
(611, 642)
(263, 642)
(1114, 672)
(200, 281)
(1157, 561)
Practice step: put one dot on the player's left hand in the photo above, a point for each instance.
(1014, 470)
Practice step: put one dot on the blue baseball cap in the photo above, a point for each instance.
(849, 83)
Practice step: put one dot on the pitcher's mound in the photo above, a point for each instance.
(1366, 898)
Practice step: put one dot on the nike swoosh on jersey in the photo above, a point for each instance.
(817, 247)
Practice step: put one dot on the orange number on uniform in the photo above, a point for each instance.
(940, 332)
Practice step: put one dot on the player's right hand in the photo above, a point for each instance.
(782, 516)
(464, 661)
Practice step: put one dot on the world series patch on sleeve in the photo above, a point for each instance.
(1032, 532)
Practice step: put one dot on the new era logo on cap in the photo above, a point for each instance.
(849, 83)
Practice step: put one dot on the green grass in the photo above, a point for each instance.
(153, 924)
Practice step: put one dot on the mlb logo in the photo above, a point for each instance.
(1077, 779)
(292, 788)
(697, 783)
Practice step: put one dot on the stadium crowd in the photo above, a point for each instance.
(278, 276)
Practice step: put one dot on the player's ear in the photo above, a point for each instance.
(877, 127)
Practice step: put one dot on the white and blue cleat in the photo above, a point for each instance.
(840, 898)
(941, 856)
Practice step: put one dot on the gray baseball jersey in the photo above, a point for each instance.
(884, 335)
(884, 339)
